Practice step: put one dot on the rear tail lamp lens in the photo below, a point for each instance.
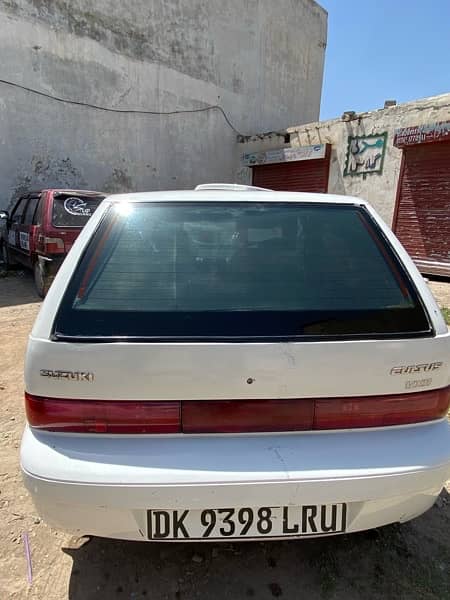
(53, 245)
(234, 416)
(102, 416)
(378, 411)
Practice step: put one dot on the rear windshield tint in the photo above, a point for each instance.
(72, 210)
(239, 270)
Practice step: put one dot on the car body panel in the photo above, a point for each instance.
(191, 371)
(105, 485)
(245, 458)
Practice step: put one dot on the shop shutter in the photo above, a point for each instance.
(422, 220)
(296, 176)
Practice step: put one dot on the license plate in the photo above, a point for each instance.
(247, 522)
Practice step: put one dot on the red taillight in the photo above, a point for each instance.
(53, 245)
(102, 416)
(378, 411)
(234, 416)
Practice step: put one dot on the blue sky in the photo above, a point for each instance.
(384, 49)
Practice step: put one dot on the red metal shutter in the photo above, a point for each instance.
(296, 176)
(422, 222)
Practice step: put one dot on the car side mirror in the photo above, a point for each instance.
(4, 214)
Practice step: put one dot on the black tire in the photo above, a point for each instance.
(41, 280)
(4, 257)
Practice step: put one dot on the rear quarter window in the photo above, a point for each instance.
(31, 210)
(17, 213)
(240, 271)
(72, 210)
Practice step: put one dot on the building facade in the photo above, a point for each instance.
(260, 61)
(397, 158)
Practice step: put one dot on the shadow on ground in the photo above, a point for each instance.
(17, 287)
(438, 278)
(407, 561)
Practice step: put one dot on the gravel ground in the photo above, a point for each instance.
(402, 562)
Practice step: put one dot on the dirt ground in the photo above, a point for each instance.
(441, 291)
(411, 561)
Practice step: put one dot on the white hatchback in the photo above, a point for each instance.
(227, 364)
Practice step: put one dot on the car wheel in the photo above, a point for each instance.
(41, 280)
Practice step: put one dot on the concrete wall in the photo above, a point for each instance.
(262, 61)
(379, 189)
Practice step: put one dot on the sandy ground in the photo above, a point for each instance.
(441, 291)
(411, 561)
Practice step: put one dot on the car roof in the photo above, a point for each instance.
(33, 193)
(71, 191)
(212, 195)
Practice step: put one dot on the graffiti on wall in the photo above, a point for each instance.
(365, 154)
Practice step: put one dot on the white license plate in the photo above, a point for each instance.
(247, 522)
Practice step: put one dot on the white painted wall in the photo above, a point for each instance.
(379, 189)
(262, 61)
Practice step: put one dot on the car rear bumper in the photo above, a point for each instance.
(103, 485)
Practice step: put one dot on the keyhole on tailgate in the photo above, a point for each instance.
(250, 380)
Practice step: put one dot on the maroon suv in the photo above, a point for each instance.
(41, 228)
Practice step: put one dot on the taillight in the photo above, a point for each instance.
(102, 416)
(234, 416)
(378, 411)
(53, 245)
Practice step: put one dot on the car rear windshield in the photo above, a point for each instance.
(73, 210)
(238, 271)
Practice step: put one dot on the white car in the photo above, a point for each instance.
(230, 364)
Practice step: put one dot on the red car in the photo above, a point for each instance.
(41, 228)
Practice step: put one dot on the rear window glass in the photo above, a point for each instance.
(72, 210)
(238, 270)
